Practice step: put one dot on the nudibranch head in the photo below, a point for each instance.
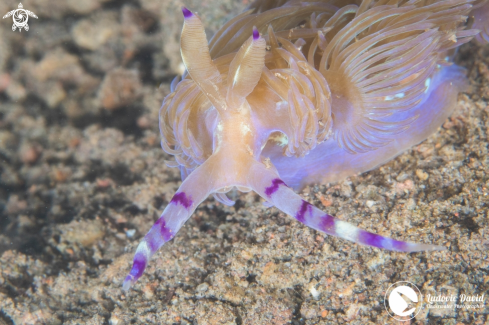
(297, 92)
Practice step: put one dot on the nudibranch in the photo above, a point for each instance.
(294, 92)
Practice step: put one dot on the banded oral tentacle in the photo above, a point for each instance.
(269, 186)
(195, 189)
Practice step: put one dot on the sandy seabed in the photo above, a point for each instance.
(82, 179)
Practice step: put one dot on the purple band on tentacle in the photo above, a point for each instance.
(327, 223)
(129, 280)
(186, 13)
(371, 239)
(183, 199)
(153, 243)
(256, 34)
(138, 267)
(274, 188)
(165, 232)
(398, 245)
(374, 240)
(301, 214)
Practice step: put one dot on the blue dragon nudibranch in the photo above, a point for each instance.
(294, 92)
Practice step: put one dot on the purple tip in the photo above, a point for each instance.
(186, 13)
(138, 266)
(256, 34)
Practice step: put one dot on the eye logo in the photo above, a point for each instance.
(403, 299)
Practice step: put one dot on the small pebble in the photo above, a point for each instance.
(130, 233)
(422, 175)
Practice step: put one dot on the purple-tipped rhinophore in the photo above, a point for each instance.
(186, 13)
(256, 34)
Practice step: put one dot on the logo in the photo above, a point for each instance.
(20, 17)
(403, 300)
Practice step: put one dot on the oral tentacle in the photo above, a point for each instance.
(269, 186)
(195, 189)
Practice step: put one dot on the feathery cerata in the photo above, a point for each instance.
(294, 92)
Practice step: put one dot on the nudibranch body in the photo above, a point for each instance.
(290, 93)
